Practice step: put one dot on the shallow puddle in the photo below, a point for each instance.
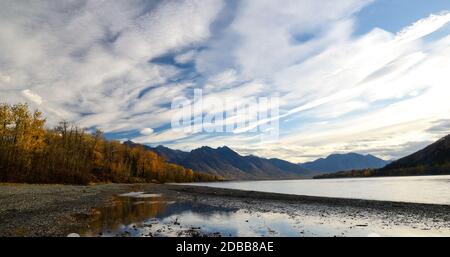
(138, 214)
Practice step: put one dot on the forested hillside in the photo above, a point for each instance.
(31, 153)
(432, 160)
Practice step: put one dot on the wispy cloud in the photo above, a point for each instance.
(117, 65)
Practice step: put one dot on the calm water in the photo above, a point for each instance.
(157, 216)
(421, 189)
(144, 214)
(154, 215)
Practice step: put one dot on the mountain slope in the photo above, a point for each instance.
(435, 158)
(432, 160)
(345, 162)
(174, 156)
(227, 163)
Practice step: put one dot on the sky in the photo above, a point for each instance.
(350, 75)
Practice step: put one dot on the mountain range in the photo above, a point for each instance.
(344, 162)
(226, 163)
(432, 160)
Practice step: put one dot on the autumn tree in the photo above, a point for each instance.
(68, 154)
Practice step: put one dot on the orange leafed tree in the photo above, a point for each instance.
(67, 154)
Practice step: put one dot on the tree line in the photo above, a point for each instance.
(419, 170)
(67, 154)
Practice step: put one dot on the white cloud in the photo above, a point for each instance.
(353, 77)
(4, 78)
(423, 27)
(90, 62)
(147, 131)
(32, 96)
(89, 59)
(185, 57)
(261, 39)
(162, 137)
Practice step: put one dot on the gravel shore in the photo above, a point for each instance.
(57, 210)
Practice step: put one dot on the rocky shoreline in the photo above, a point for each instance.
(58, 210)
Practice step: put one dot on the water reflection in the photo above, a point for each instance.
(124, 210)
(161, 216)
(132, 214)
(146, 215)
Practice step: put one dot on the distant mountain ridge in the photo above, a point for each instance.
(345, 162)
(227, 163)
(432, 160)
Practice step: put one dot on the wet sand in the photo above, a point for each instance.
(58, 210)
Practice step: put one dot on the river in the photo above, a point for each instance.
(417, 189)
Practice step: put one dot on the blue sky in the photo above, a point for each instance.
(351, 75)
(395, 15)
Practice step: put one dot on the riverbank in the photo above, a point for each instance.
(58, 210)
